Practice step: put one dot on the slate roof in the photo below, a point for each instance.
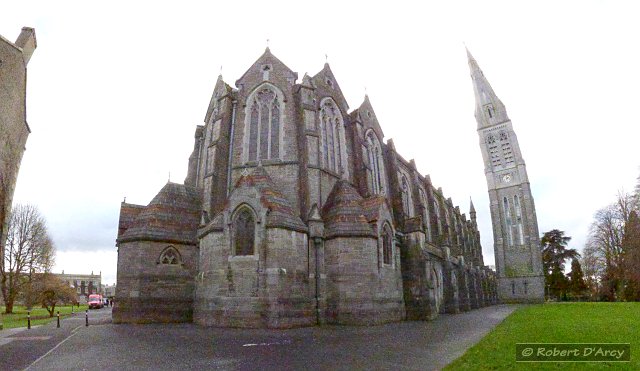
(343, 213)
(172, 216)
(281, 212)
(371, 206)
(128, 213)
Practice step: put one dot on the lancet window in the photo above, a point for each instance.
(375, 166)
(387, 245)
(333, 138)
(425, 212)
(406, 197)
(244, 232)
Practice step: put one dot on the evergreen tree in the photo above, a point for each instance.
(577, 286)
(554, 254)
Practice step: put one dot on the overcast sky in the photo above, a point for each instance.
(116, 89)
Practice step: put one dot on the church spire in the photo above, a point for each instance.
(489, 108)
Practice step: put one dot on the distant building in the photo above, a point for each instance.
(14, 129)
(85, 284)
(109, 291)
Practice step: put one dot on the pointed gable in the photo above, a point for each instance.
(328, 83)
(280, 210)
(267, 62)
(172, 216)
(343, 213)
(367, 117)
(219, 91)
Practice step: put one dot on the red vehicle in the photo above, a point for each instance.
(95, 301)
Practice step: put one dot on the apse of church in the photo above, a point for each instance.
(296, 212)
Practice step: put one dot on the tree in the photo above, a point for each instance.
(28, 250)
(593, 266)
(631, 257)
(605, 239)
(554, 255)
(48, 290)
(577, 286)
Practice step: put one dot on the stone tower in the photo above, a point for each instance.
(515, 226)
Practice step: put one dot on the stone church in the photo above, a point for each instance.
(296, 212)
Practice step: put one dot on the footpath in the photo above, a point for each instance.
(20, 347)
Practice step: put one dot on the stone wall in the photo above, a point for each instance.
(150, 291)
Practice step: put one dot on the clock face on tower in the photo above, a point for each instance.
(506, 178)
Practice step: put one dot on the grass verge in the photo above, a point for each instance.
(557, 323)
(39, 316)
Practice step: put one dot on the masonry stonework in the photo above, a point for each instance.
(295, 213)
(515, 225)
(14, 129)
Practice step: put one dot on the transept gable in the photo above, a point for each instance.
(327, 85)
(220, 91)
(266, 68)
(367, 117)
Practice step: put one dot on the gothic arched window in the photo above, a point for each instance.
(375, 163)
(507, 217)
(333, 138)
(244, 228)
(387, 244)
(436, 209)
(519, 231)
(264, 117)
(170, 256)
(406, 197)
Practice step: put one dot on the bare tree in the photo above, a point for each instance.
(28, 250)
(605, 244)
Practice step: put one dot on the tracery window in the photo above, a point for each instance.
(406, 197)
(244, 232)
(333, 137)
(264, 124)
(170, 256)
(375, 168)
(387, 243)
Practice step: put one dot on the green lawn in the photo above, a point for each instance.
(559, 323)
(39, 316)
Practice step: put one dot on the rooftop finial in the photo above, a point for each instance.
(169, 176)
(326, 58)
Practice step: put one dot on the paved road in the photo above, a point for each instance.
(19, 348)
(405, 345)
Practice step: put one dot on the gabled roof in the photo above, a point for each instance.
(172, 216)
(343, 213)
(320, 79)
(281, 212)
(267, 57)
(367, 116)
(220, 90)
